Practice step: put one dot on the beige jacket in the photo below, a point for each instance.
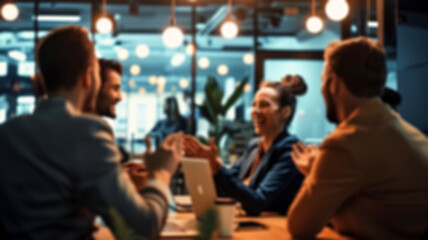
(370, 179)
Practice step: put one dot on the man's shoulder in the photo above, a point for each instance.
(91, 122)
(341, 137)
(15, 122)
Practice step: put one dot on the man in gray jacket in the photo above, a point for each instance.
(60, 167)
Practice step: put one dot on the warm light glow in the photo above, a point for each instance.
(184, 83)
(314, 24)
(9, 12)
(248, 58)
(178, 59)
(142, 51)
(122, 54)
(337, 10)
(247, 87)
(104, 25)
(229, 29)
(141, 90)
(222, 69)
(190, 49)
(153, 80)
(161, 80)
(135, 69)
(172, 37)
(203, 62)
(131, 83)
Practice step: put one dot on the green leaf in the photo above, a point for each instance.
(207, 112)
(207, 226)
(213, 95)
(235, 96)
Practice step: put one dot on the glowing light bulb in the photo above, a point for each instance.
(184, 83)
(172, 37)
(222, 69)
(142, 51)
(247, 87)
(337, 10)
(9, 12)
(161, 80)
(135, 69)
(178, 59)
(104, 25)
(314, 24)
(190, 49)
(229, 29)
(153, 80)
(131, 83)
(248, 58)
(203, 62)
(122, 54)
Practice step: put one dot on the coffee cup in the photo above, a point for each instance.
(225, 209)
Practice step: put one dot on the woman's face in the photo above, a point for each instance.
(266, 113)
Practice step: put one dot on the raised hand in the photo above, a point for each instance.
(137, 172)
(163, 163)
(193, 148)
(304, 156)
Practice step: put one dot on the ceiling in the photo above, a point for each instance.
(279, 23)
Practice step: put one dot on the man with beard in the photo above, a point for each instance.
(60, 166)
(369, 178)
(109, 95)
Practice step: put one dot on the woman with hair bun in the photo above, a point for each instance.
(264, 178)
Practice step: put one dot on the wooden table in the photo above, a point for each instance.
(277, 229)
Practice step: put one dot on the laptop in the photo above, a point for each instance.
(199, 182)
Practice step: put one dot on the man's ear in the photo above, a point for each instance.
(87, 78)
(335, 84)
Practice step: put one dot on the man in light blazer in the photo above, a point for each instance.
(60, 167)
(369, 178)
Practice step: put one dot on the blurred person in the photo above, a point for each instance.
(264, 178)
(111, 82)
(369, 178)
(60, 166)
(174, 122)
(108, 97)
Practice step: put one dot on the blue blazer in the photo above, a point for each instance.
(275, 181)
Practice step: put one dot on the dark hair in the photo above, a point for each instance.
(360, 63)
(63, 55)
(391, 97)
(287, 93)
(109, 64)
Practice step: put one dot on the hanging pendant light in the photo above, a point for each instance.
(9, 11)
(229, 29)
(337, 10)
(104, 24)
(314, 24)
(172, 36)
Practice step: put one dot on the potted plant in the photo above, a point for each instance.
(213, 108)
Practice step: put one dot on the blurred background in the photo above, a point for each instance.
(273, 40)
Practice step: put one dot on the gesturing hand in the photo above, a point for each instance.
(194, 148)
(137, 172)
(304, 156)
(166, 158)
